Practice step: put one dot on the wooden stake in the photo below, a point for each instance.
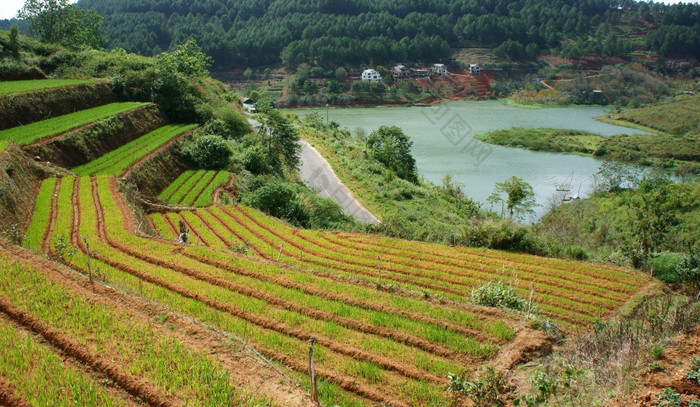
(280, 253)
(314, 393)
(87, 253)
(379, 269)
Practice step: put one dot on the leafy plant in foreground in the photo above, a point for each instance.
(499, 295)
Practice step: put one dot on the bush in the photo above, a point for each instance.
(278, 199)
(209, 152)
(227, 123)
(498, 295)
(666, 265)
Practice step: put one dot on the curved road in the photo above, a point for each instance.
(318, 175)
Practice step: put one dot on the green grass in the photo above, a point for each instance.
(677, 116)
(10, 87)
(30, 133)
(40, 215)
(545, 139)
(644, 149)
(116, 161)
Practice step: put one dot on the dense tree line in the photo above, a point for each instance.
(333, 33)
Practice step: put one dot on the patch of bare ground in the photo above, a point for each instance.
(669, 373)
(526, 345)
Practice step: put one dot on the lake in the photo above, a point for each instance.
(443, 143)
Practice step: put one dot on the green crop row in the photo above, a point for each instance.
(175, 185)
(41, 377)
(288, 320)
(434, 282)
(41, 214)
(30, 133)
(205, 198)
(116, 161)
(185, 187)
(265, 337)
(553, 288)
(7, 88)
(198, 188)
(123, 340)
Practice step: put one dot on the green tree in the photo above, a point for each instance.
(282, 140)
(390, 146)
(280, 200)
(341, 73)
(56, 21)
(209, 152)
(651, 217)
(519, 197)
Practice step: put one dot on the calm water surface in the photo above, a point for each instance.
(443, 143)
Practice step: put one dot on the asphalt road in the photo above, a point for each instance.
(319, 176)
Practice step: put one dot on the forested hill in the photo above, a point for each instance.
(352, 32)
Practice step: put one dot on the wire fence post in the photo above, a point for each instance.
(379, 269)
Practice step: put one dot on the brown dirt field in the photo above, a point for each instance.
(675, 361)
(526, 345)
(247, 370)
(7, 396)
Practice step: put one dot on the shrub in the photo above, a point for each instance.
(498, 295)
(278, 199)
(209, 152)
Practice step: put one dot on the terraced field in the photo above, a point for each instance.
(117, 161)
(194, 188)
(24, 135)
(139, 319)
(385, 345)
(12, 87)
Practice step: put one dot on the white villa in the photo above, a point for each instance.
(474, 69)
(370, 75)
(439, 69)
